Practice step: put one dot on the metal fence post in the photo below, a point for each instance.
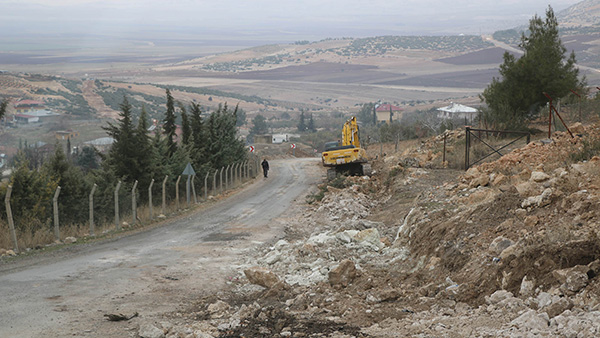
(92, 228)
(227, 181)
(206, 186)
(177, 192)
(194, 190)
(221, 179)
(214, 188)
(150, 199)
(164, 195)
(133, 203)
(467, 146)
(11, 224)
(187, 190)
(117, 221)
(55, 205)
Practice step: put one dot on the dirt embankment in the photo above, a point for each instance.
(508, 248)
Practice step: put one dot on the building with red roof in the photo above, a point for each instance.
(387, 112)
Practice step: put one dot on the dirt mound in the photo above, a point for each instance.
(507, 248)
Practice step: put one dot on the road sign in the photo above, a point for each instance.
(251, 149)
(293, 145)
(188, 170)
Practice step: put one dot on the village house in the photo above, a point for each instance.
(388, 112)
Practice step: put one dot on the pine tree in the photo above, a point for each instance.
(302, 123)
(543, 68)
(169, 126)
(3, 106)
(311, 124)
(121, 157)
(186, 129)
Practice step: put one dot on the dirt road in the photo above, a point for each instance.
(152, 272)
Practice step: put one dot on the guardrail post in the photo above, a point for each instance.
(55, 205)
(164, 196)
(11, 224)
(117, 221)
(133, 203)
(92, 228)
(177, 191)
(150, 199)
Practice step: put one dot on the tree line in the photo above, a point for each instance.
(140, 152)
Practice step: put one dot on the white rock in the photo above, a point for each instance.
(538, 176)
(527, 287)
(148, 330)
(498, 296)
(531, 320)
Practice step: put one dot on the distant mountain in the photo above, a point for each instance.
(583, 14)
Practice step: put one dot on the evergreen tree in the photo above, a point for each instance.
(72, 201)
(186, 128)
(543, 68)
(145, 157)
(169, 126)
(260, 126)
(366, 113)
(311, 124)
(121, 157)
(302, 123)
(3, 106)
(87, 159)
(199, 139)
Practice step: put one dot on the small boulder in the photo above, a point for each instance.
(572, 279)
(148, 330)
(70, 240)
(343, 274)
(261, 276)
(499, 244)
(539, 176)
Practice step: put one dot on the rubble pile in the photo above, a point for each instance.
(508, 248)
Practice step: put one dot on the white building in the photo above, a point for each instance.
(457, 111)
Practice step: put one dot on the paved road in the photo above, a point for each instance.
(56, 296)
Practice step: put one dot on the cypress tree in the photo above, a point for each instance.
(169, 126)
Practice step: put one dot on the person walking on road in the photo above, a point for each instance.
(265, 166)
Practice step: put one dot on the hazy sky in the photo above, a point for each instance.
(268, 19)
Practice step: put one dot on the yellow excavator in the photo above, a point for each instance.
(347, 158)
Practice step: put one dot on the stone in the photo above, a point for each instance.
(531, 320)
(272, 257)
(531, 221)
(538, 176)
(499, 244)
(261, 276)
(369, 237)
(218, 309)
(558, 307)
(572, 279)
(148, 330)
(343, 274)
(498, 296)
(70, 240)
(527, 287)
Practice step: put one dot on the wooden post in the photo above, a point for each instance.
(150, 199)
(164, 195)
(92, 228)
(11, 224)
(133, 203)
(117, 221)
(55, 205)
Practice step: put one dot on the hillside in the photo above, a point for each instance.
(509, 248)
